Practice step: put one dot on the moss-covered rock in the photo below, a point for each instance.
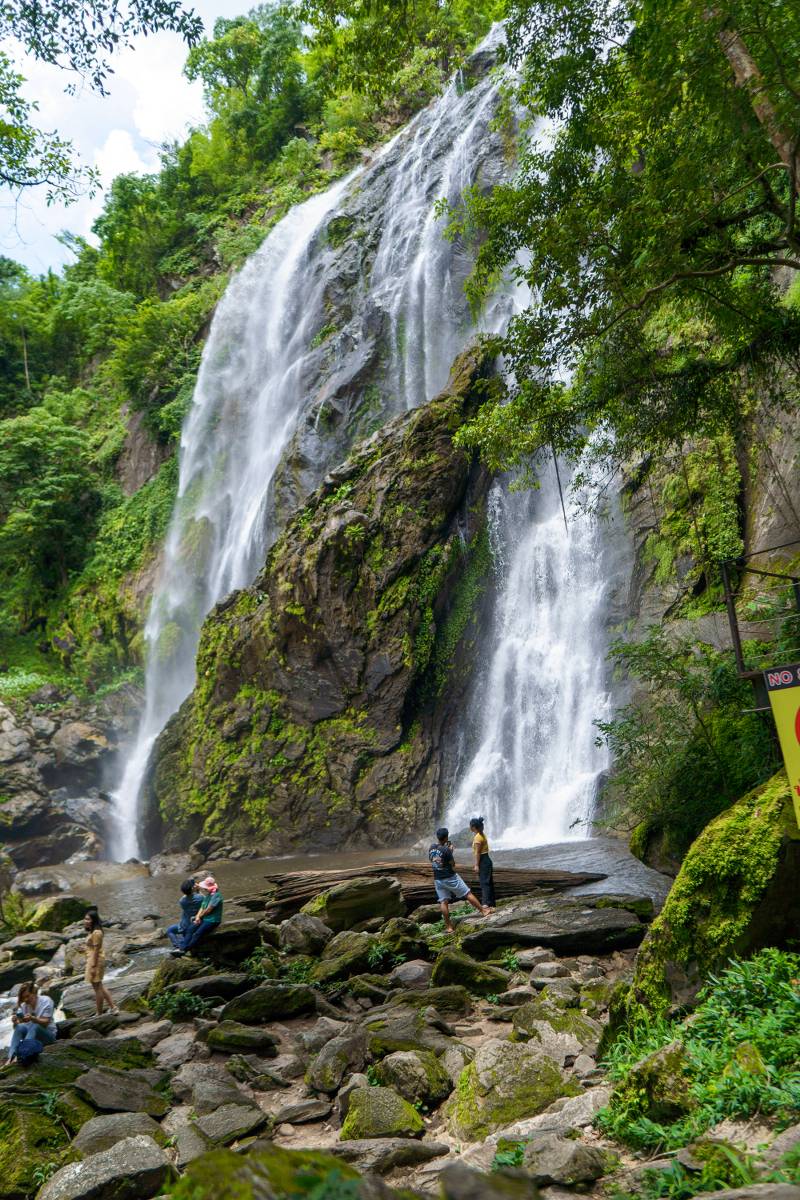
(657, 1088)
(417, 1075)
(56, 913)
(322, 692)
(737, 891)
(29, 1141)
(346, 954)
(455, 967)
(270, 1002)
(505, 1082)
(225, 1175)
(377, 1112)
(349, 904)
(232, 1036)
(402, 937)
(539, 1021)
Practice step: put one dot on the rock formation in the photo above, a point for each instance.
(324, 689)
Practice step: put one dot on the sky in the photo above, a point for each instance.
(149, 102)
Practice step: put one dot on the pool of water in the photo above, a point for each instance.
(158, 896)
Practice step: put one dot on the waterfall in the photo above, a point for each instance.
(531, 766)
(272, 367)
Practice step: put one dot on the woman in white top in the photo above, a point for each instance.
(33, 1019)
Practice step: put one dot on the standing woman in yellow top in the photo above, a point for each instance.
(483, 863)
(96, 961)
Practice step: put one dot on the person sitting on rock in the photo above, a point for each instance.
(208, 917)
(33, 1019)
(190, 903)
(448, 884)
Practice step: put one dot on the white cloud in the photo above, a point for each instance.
(119, 156)
(166, 103)
(149, 102)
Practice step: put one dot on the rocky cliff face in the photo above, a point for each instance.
(324, 689)
(55, 752)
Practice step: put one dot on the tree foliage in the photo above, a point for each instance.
(687, 748)
(655, 201)
(80, 36)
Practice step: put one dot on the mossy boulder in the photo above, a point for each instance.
(380, 1112)
(339, 1057)
(29, 1141)
(561, 1032)
(324, 689)
(232, 1037)
(346, 954)
(738, 890)
(55, 913)
(176, 970)
(402, 938)
(481, 978)
(270, 1002)
(267, 1171)
(506, 1082)
(657, 1087)
(348, 905)
(403, 1027)
(417, 1075)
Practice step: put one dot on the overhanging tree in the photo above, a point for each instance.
(655, 206)
(80, 36)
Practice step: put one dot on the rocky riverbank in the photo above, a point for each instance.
(356, 1050)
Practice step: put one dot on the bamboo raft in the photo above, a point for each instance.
(286, 894)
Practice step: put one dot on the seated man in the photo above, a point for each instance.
(190, 903)
(448, 884)
(33, 1019)
(208, 917)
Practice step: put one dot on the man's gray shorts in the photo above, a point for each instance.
(452, 888)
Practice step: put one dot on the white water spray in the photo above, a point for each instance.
(261, 375)
(532, 768)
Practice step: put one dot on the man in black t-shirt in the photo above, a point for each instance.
(448, 884)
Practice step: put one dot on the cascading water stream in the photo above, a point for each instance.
(262, 376)
(532, 767)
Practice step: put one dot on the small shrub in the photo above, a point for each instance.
(510, 960)
(179, 1005)
(508, 1154)
(742, 1048)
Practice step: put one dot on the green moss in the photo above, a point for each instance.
(226, 1175)
(380, 1112)
(480, 1105)
(709, 910)
(30, 1140)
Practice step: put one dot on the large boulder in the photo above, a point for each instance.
(270, 1170)
(379, 1112)
(381, 1155)
(56, 913)
(550, 1159)
(304, 934)
(231, 1037)
(326, 687)
(128, 990)
(505, 1082)
(101, 1133)
(136, 1168)
(270, 1002)
(33, 945)
(348, 905)
(459, 1182)
(566, 924)
(113, 1090)
(738, 890)
(657, 1087)
(345, 955)
(417, 1075)
(339, 1057)
(561, 1032)
(230, 1122)
(406, 1027)
(231, 942)
(453, 966)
